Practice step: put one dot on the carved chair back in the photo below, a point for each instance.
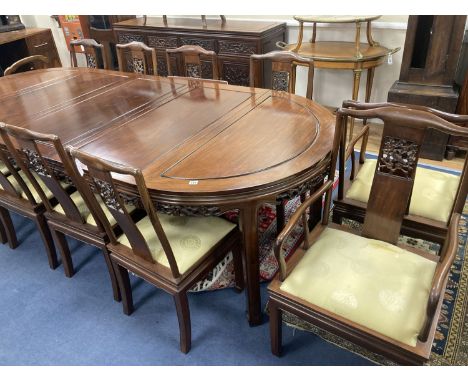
(189, 63)
(94, 53)
(34, 62)
(27, 149)
(403, 133)
(283, 70)
(137, 57)
(100, 174)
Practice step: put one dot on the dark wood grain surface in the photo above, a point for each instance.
(198, 143)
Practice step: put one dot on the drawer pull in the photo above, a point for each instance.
(43, 44)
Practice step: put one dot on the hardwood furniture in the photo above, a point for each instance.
(233, 41)
(32, 62)
(283, 70)
(94, 53)
(355, 56)
(283, 78)
(430, 58)
(172, 253)
(18, 194)
(70, 215)
(362, 285)
(137, 57)
(435, 194)
(99, 28)
(204, 147)
(188, 61)
(18, 44)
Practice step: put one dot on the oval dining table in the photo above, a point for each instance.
(204, 147)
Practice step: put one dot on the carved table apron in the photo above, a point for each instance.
(204, 147)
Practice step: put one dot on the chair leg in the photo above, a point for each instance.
(183, 315)
(110, 269)
(280, 218)
(47, 239)
(238, 267)
(3, 237)
(65, 254)
(125, 288)
(276, 323)
(9, 228)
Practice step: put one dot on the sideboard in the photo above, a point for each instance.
(234, 41)
(15, 45)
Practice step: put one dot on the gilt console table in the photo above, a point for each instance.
(233, 40)
(204, 147)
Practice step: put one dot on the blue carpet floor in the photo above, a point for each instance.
(47, 319)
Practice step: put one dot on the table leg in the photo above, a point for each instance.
(356, 82)
(248, 224)
(370, 80)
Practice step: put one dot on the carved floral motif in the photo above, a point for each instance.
(192, 70)
(205, 44)
(302, 188)
(91, 61)
(106, 191)
(181, 210)
(126, 38)
(162, 42)
(138, 65)
(280, 81)
(237, 47)
(236, 74)
(399, 157)
(34, 162)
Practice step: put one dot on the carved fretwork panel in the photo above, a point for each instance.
(399, 157)
(207, 69)
(302, 188)
(237, 47)
(162, 42)
(181, 210)
(235, 74)
(205, 44)
(280, 81)
(34, 162)
(192, 70)
(91, 61)
(138, 65)
(126, 38)
(106, 191)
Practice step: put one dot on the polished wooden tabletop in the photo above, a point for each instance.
(198, 143)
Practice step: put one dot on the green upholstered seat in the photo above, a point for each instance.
(370, 282)
(34, 193)
(190, 237)
(84, 211)
(433, 194)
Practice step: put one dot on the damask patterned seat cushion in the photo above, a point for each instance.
(84, 211)
(433, 195)
(370, 282)
(190, 237)
(34, 193)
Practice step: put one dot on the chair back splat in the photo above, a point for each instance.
(137, 57)
(99, 172)
(94, 53)
(191, 61)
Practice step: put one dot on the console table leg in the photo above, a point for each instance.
(248, 224)
(369, 82)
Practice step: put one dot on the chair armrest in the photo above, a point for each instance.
(350, 148)
(443, 267)
(301, 211)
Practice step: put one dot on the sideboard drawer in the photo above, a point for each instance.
(126, 37)
(238, 48)
(162, 42)
(204, 43)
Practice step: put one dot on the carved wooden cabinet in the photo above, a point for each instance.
(16, 45)
(233, 41)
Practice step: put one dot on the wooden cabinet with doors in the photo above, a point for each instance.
(18, 44)
(233, 40)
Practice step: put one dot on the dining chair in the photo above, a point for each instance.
(362, 285)
(70, 215)
(283, 78)
(189, 62)
(283, 70)
(17, 194)
(170, 252)
(435, 194)
(137, 57)
(33, 62)
(94, 53)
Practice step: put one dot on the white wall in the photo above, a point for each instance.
(331, 87)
